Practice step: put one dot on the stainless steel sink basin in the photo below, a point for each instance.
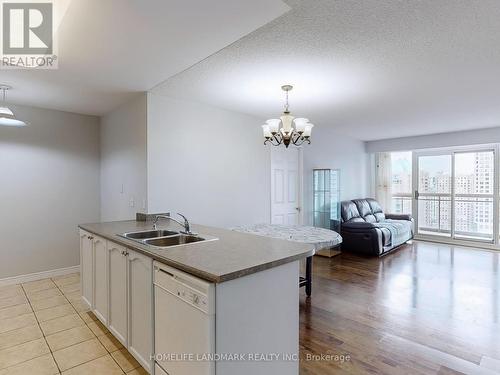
(164, 238)
(173, 240)
(149, 234)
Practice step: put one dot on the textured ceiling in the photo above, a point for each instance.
(371, 69)
(110, 50)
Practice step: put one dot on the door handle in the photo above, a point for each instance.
(416, 194)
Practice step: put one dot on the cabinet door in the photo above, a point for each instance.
(86, 268)
(117, 291)
(100, 280)
(140, 284)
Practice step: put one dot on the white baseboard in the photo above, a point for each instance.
(38, 275)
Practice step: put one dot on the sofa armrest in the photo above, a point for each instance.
(399, 217)
(365, 238)
(358, 226)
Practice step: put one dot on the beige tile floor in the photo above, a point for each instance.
(46, 330)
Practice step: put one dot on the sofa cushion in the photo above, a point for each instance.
(365, 211)
(350, 213)
(400, 230)
(377, 210)
(386, 236)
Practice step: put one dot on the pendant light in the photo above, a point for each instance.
(7, 117)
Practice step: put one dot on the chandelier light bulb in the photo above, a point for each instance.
(300, 124)
(307, 130)
(274, 125)
(266, 131)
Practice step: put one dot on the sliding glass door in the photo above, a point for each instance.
(474, 180)
(434, 194)
(454, 194)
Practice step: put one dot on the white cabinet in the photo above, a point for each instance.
(140, 293)
(159, 371)
(117, 271)
(100, 279)
(117, 284)
(87, 267)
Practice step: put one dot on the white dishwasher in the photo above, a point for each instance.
(184, 323)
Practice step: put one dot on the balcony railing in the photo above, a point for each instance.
(472, 215)
(434, 214)
(401, 204)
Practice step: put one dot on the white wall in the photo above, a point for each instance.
(49, 183)
(329, 149)
(207, 163)
(123, 161)
(461, 138)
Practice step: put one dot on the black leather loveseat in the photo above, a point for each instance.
(366, 229)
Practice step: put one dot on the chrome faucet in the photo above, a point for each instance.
(185, 224)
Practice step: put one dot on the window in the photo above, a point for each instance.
(452, 192)
(455, 194)
(401, 182)
(474, 195)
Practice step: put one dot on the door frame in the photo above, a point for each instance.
(492, 245)
(300, 184)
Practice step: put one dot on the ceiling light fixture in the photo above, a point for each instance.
(7, 118)
(287, 133)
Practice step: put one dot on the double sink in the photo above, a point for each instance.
(164, 238)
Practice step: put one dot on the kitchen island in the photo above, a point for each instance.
(226, 305)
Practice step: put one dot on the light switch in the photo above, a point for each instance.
(131, 202)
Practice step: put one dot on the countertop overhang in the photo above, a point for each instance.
(231, 256)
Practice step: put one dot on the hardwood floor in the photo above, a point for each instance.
(425, 309)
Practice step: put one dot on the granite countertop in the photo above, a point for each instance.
(231, 256)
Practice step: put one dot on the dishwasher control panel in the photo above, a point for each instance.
(190, 289)
(192, 297)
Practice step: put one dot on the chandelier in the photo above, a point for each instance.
(282, 130)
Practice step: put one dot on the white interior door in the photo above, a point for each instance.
(285, 186)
